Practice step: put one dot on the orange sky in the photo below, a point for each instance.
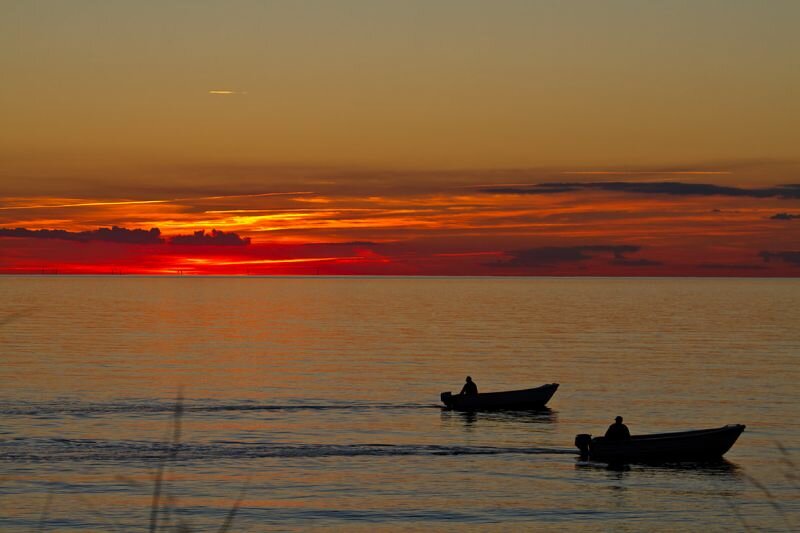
(400, 138)
(448, 230)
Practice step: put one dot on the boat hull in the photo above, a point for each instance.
(519, 399)
(699, 445)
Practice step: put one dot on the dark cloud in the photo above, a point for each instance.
(726, 266)
(784, 216)
(530, 189)
(793, 258)
(674, 188)
(129, 236)
(215, 238)
(349, 243)
(636, 262)
(112, 234)
(554, 255)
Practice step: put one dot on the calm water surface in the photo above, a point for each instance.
(314, 402)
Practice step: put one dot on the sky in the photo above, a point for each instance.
(615, 138)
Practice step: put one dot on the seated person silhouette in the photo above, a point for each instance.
(618, 430)
(469, 388)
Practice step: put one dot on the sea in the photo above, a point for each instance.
(312, 403)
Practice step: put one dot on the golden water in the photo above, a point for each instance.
(315, 401)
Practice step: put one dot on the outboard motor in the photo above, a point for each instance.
(582, 441)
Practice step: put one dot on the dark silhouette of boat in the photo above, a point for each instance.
(515, 399)
(703, 444)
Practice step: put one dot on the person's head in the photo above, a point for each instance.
(469, 379)
(618, 420)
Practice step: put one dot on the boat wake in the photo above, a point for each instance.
(34, 450)
(82, 409)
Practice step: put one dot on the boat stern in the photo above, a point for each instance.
(446, 398)
(582, 441)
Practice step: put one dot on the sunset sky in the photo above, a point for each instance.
(400, 138)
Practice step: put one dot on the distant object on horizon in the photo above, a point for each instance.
(703, 444)
(518, 399)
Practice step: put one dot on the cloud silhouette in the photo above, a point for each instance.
(784, 216)
(729, 266)
(546, 256)
(636, 262)
(215, 238)
(117, 234)
(112, 234)
(348, 243)
(675, 188)
(793, 258)
(542, 188)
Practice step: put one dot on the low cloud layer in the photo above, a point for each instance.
(117, 234)
(214, 238)
(636, 262)
(673, 188)
(784, 216)
(729, 266)
(112, 234)
(547, 256)
(791, 257)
